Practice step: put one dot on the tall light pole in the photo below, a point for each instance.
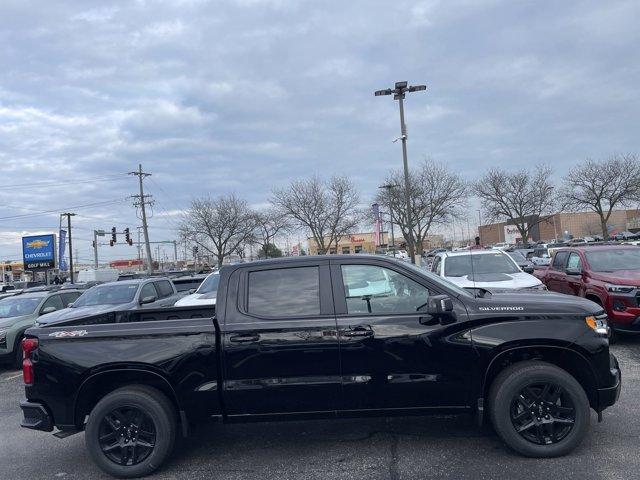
(401, 88)
(479, 225)
(388, 188)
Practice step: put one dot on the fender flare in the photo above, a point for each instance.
(124, 369)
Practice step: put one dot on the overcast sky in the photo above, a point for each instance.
(243, 96)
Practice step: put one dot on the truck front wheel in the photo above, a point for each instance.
(131, 431)
(538, 409)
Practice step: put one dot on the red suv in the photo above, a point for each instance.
(606, 274)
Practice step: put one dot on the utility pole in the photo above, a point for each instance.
(69, 215)
(175, 253)
(479, 225)
(399, 94)
(96, 234)
(388, 188)
(142, 202)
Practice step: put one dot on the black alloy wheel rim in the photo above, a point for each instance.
(127, 435)
(543, 413)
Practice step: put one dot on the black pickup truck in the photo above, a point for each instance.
(330, 337)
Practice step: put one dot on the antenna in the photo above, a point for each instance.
(473, 276)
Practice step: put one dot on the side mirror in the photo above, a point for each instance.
(573, 271)
(70, 305)
(528, 269)
(48, 310)
(149, 299)
(439, 309)
(192, 291)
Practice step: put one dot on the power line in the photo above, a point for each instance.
(108, 178)
(47, 212)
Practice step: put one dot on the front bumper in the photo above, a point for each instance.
(609, 395)
(36, 416)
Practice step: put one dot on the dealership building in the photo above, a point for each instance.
(559, 225)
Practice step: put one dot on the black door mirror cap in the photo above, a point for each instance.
(573, 271)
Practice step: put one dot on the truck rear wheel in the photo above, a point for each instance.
(538, 409)
(131, 431)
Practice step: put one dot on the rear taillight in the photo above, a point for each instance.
(28, 346)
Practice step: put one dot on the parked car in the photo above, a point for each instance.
(6, 288)
(519, 256)
(540, 256)
(483, 269)
(500, 246)
(608, 275)
(205, 294)
(118, 296)
(19, 312)
(328, 336)
(185, 283)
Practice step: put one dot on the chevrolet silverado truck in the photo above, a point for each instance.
(322, 337)
(608, 275)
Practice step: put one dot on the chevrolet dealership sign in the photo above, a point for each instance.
(39, 252)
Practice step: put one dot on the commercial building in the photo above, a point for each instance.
(365, 243)
(560, 225)
(353, 243)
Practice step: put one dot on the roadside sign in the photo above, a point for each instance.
(39, 252)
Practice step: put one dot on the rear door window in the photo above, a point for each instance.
(164, 288)
(574, 261)
(284, 292)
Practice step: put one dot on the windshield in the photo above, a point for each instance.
(460, 265)
(612, 260)
(443, 281)
(517, 256)
(210, 284)
(17, 306)
(107, 295)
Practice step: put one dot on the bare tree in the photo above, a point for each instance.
(269, 224)
(220, 226)
(603, 186)
(522, 198)
(436, 194)
(328, 210)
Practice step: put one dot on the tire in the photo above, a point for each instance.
(155, 420)
(551, 431)
(17, 352)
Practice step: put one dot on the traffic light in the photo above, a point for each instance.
(127, 236)
(113, 236)
(195, 250)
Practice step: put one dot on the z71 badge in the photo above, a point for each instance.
(72, 333)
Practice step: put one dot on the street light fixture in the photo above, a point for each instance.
(399, 92)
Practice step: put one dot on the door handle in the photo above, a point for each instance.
(244, 338)
(358, 332)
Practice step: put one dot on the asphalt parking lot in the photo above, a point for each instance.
(430, 447)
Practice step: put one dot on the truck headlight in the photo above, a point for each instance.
(620, 288)
(599, 325)
(3, 339)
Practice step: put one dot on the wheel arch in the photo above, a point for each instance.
(102, 383)
(567, 359)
